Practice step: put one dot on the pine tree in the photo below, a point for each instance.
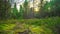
(25, 8)
(15, 12)
(21, 11)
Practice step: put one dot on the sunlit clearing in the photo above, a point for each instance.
(31, 5)
(36, 9)
(48, 0)
(49, 8)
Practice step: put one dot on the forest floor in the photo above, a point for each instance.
(35, 26)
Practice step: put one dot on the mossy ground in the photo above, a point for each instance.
(36, 26)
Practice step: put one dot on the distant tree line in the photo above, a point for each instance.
(49, 9)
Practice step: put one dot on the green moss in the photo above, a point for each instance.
(37, 26)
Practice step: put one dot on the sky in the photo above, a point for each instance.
(20, 2)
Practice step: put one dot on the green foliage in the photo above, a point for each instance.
(6, 26)
(4, 9)
(50, 9)
(15, 12)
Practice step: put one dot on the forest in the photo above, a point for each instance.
(29, 16)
